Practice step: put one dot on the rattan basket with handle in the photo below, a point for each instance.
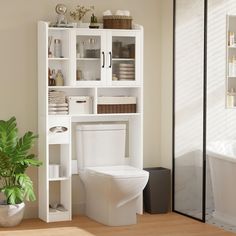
(117, 22)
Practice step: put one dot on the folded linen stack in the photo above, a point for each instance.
(57, 103)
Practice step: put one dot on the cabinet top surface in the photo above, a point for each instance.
(136, 27)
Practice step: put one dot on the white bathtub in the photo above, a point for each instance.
(222, 161)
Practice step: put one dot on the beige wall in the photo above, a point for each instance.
(166, 82)
(18, 74)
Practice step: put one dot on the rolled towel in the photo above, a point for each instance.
(122, 13)
(119, 13)
(107, 13)
(126, 13)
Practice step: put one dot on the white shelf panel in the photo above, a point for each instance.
(123, 59)
(98, 115)
(119, 114)
(232, 47)
(58, 28)
(59, 216)
(88, 59)
(58, 58)
(92, 86)
(59, 179)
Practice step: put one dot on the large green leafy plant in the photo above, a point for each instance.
(15, 184)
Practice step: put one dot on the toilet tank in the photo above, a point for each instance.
(100, 145)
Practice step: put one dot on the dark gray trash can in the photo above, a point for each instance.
(157, 191)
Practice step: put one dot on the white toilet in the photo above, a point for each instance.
(112, 188)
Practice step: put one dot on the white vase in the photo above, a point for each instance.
(74, 24)
(80, 24)
(11, 215)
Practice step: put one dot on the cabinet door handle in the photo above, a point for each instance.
(81, 101)
(103, 59)
(110, 59)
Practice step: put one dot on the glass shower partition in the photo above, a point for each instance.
(189, 108)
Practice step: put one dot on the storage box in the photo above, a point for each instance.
(79, 105)
(116, 105)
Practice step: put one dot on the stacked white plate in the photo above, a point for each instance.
(126, 71)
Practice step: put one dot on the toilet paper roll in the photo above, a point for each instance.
(54, 171)
(51, 171)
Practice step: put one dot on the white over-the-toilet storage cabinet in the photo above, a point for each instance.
(96, 64)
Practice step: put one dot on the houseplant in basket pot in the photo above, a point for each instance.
(15, 184)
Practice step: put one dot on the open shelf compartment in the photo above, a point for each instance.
(59, 201)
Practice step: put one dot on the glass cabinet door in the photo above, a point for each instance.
(125, 55)
(90, 58)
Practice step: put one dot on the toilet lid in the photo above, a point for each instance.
(118, 171)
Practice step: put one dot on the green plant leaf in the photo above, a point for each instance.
(24, 144)
(5, 164)
(14, 160)
(14, 194)
(8, 135)
(31, 162)
(27, 186)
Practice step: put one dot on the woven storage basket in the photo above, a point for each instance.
(117, 22)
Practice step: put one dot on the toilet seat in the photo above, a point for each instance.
(115, 172)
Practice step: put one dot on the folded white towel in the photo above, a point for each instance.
(58, 113)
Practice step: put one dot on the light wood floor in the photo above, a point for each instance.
(151, 225)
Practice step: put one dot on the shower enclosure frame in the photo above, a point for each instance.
(202, 219)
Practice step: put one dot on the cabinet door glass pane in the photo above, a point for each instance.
(88, 56)
(123, 58)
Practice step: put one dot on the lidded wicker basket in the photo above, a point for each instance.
(117, 22)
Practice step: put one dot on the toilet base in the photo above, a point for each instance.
(111, 215)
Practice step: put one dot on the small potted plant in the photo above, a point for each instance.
(79, 12)
(15, 184)
(93, 22)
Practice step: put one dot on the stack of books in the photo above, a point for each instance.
(57, 103)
